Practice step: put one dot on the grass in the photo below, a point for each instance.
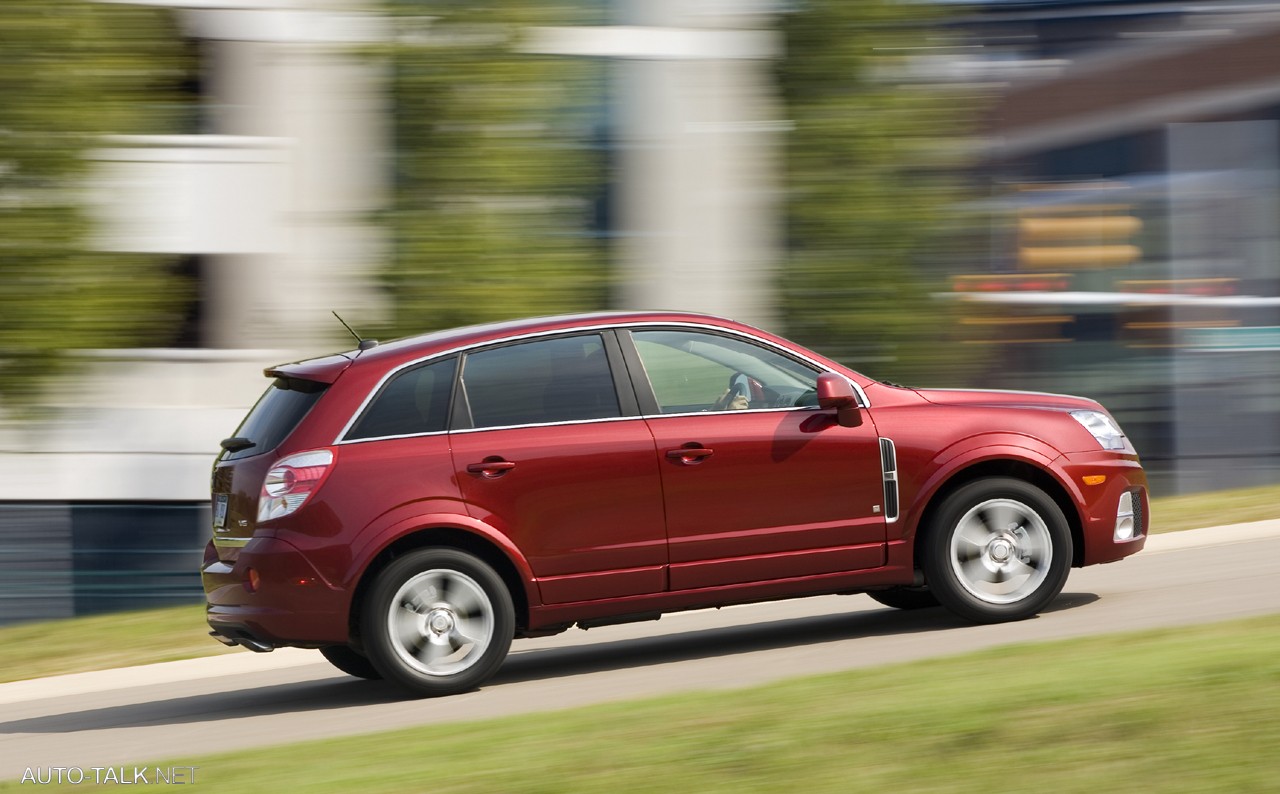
(1180, 710)
(103, 642)
(1192, 511)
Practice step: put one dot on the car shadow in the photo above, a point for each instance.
(522, 666)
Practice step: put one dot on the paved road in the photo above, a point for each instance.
(145, 714)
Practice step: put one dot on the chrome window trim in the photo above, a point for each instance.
(863, 401)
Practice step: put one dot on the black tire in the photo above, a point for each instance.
(999, 549)
(905, 597)
(438, 622)
(350, 662)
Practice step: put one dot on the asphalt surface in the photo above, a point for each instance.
(141, 715)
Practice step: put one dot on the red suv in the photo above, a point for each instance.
(410, 508)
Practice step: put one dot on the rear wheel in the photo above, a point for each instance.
(350, 661)
(438, 622)
(999, 550)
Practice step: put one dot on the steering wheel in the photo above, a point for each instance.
(741, 385)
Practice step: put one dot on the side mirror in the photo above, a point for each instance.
(836, 392)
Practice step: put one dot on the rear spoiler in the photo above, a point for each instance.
(320, 370)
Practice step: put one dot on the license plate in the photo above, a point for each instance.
(219, 510)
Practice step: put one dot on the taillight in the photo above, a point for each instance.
(291, 482)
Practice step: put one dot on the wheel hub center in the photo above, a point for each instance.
(1001, 550)
(440, 621)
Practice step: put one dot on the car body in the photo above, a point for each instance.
(410, 508)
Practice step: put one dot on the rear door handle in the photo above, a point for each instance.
(491, 468)
(690, 455)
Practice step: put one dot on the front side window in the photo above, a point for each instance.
(692, 371)
(413, 402)
(566, 379)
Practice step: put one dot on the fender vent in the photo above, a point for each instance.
(889, 466)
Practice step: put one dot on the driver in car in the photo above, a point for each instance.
(738, 396)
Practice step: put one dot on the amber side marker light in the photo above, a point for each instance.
(1094, 479)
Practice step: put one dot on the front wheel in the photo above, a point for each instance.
(999, 550)
(438, 622)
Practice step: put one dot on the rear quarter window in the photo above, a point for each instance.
(413, 402)
(276, 414)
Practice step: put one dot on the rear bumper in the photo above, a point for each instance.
(287, 602)
(1100, 503)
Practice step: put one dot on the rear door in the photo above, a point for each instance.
(549, 449)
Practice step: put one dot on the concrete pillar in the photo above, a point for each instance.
(699, 138)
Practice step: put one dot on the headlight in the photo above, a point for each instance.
(1103, 428)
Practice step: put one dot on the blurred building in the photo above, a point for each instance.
(269, 201)
(1131, 159)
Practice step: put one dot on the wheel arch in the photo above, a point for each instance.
(1002, 467)
(441, 536)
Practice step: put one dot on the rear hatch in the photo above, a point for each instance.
(248, 454)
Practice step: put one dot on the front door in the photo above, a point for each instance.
(759, 484)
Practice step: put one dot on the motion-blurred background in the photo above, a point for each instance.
(1045, 194)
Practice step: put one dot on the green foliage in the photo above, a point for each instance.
(71, 71)
(871, 187)
(493, 168)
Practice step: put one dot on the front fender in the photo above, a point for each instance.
(976, 450)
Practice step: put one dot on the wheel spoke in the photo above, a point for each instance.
(469, 631)
(433, 650)
(976, 570)
(405, 628)
(1000, 516)
(971, 538)
(468, 603)
(1032, 552)
(1023, 568)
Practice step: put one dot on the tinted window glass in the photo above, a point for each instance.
(414, 401)
(691, 371)
(550, 380)
(275, 416)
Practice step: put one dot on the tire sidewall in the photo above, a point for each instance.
(379, 645)
(942, 579)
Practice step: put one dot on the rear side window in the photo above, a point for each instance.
(275, 416)
(415, 401)
(550, 380)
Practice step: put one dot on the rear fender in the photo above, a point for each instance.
(382, 534)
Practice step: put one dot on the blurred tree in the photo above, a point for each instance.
(494, 169)
(872, 188)
(71, 71)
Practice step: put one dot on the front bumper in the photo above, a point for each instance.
(270, 595)
(1111, 527)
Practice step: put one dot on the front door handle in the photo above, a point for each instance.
(690, 455)
(491, 469)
